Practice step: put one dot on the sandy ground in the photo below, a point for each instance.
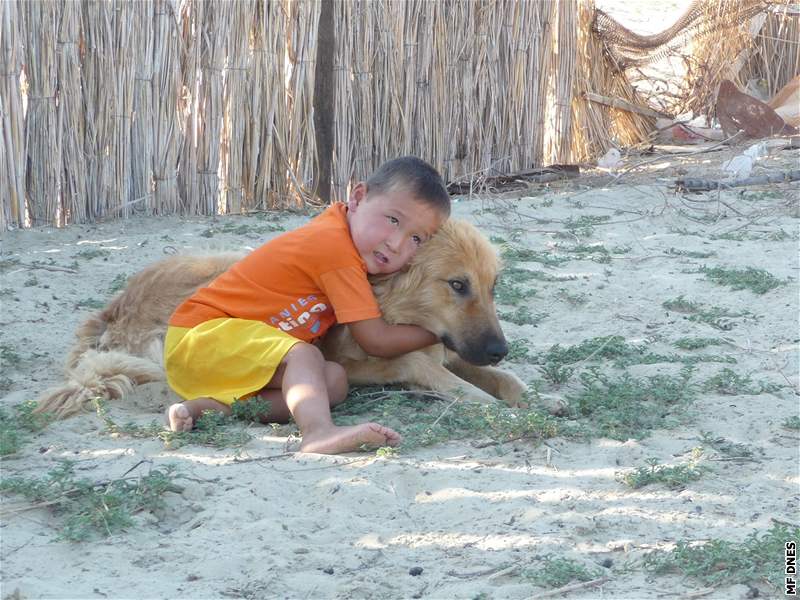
(474, 519)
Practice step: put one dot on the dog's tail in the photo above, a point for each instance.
(96, 374)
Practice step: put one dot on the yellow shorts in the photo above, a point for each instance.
(225, 359)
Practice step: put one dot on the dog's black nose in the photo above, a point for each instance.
(496, 350)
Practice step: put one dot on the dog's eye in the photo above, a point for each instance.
(459, 286)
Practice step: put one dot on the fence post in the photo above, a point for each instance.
(323, 100)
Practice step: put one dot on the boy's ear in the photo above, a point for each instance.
(357, 195)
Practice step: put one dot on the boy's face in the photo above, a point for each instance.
(388, 228)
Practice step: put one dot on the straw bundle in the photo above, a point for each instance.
(142, 15)
(713, 57)
(12, 163)
(776, 49)
(595, 125)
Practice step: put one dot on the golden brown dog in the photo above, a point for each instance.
(448, 289)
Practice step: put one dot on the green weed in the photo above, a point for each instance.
(725, 447)
(556, 373)
(118, 283)
(522, 316)
(90, 253)
(518, 351)
(93, 508)
(717, 317)
(696, 343)
(674, 478)
(729, 383)
(574, 299)
(759, 558)
(425, 421)
(558, 572)
(689, 253)
(9, 357)
(758, 281)
(516, 254)
(17, 426)
(585, 224)
(629, 407)
(91, 304)
(212, 429)
(792, 423)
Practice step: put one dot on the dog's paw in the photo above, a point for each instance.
(511, 389)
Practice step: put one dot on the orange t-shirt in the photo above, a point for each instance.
(301, 282)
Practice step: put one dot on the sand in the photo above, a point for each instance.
(270, 523)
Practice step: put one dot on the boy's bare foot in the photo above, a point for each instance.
(179, 418)
(347, 439)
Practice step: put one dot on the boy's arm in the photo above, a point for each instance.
(377, 338)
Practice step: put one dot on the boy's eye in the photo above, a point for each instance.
(393, 220)
(417, 240)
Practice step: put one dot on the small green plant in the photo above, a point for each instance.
(690, 253)
(118, 283)
(507, 292)
(518, 351)
(556, 373)
(17, 426)
(9, 358)
(211, 429)
(792, 423)
(90, 303)
(628, 407)
(90, 253)
(594, 252)
(585, 224)
(425, 421)
(93, 508)
(573, 299)
(31, 281)
(516, 254)
(758, 281)
(675, 478)
(759, 558)
(729, 383)
(717, 317)
(696, 343)
(522, 316)
(558, 572)
(725, 447)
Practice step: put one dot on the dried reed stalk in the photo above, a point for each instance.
(42, 132)
(12, 145)
(70, 112)
(142, 149)
(776, 56)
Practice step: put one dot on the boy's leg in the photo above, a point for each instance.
(182, 416)
(335, 381)
(305, 393)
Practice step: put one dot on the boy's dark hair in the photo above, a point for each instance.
(414, 175)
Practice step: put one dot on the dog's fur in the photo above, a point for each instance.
(122, 345)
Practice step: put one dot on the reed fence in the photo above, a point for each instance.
(110, 108)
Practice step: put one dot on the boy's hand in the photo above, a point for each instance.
(377, 338)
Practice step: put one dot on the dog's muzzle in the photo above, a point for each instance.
(480, 351)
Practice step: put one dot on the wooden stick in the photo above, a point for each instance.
(571, 588)
(625, 105)
(705, 185)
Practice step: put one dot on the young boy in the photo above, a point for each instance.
(252, 330)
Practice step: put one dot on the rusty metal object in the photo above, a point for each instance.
(737, 111)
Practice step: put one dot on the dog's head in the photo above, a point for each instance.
(449, 290)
